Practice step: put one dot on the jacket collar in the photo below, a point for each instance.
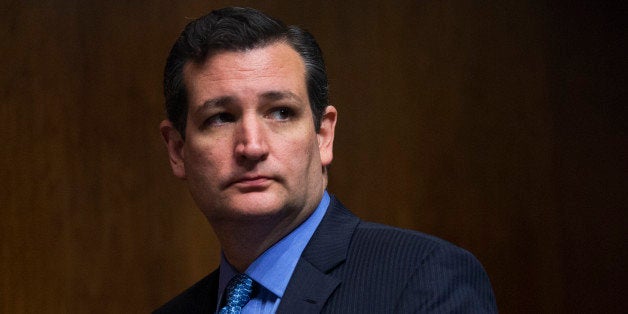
(311, 283)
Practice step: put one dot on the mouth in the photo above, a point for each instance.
(252, 182)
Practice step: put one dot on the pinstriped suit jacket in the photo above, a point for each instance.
(351, 266)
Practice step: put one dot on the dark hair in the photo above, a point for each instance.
(239, 29)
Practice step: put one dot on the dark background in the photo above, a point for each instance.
(497, 125)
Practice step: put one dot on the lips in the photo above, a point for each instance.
(252, 181)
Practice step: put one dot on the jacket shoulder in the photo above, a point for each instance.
(390, 241)
(426, 273)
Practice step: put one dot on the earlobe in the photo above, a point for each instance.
(326, 135)
(174, 144)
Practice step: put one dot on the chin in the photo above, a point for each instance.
(255, 205)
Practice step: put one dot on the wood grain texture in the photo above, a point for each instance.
(496, 125)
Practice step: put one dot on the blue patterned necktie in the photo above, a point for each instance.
(238, 294)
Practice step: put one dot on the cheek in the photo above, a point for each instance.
(205, 160)
(300, 155)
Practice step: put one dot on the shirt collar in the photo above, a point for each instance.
(274, 267)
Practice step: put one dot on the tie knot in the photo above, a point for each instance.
(239, 292)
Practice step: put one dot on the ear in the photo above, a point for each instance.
(174, 144)
(326, 135)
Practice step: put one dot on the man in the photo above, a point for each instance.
(250, 130)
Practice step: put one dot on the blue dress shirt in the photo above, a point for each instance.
(272, 270)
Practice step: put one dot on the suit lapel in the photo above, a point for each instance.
(311, 283)
(207, 294)
(213, 292)
(308, 290)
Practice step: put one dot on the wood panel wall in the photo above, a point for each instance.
(497, 125)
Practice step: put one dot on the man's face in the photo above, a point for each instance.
(251, 149)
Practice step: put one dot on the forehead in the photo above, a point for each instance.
(273, 67)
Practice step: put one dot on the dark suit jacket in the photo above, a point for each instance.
(352, 266)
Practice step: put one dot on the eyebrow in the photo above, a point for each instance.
(280, 95)
(215, 102)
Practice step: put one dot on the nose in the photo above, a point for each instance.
(251, 144)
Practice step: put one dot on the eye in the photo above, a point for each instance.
(219, 119)
(280, 114)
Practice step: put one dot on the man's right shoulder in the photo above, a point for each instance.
(199, 298)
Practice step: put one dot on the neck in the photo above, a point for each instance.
(243, 241)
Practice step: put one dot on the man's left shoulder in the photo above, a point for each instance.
(414, 244)
(435, 274)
